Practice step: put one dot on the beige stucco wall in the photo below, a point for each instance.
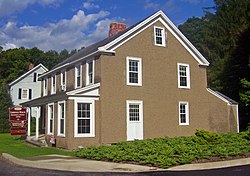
(159, 91)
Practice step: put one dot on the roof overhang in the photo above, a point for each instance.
(27, 73)
(98, 52)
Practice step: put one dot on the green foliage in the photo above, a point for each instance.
(5, 103)
(245, 95)
(17, 147)
(166, 152)
(208, 136)
(223, 37)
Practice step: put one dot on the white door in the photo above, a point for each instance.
(134, 120)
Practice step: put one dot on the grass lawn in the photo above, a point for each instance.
(15, 146)
(167, 152)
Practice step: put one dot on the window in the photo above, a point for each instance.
(84, 118)
(53, 84)
(63, 81)
(134, 71)
(78, 76)
(134, 111)
(183, 113)
(183, 76)
(90, 72)
(45, 87)
(159, 35)
(61, 119)
(51, 119)
(24, 94)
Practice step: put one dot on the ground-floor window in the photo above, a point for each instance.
(61, 118)
(50, 118)
(183, 113)
(84, 118)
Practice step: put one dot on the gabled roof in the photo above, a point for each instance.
(223, 97)
(27, 73)
(109, 44)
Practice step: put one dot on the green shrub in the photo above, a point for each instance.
(208, 136)
(167, 152)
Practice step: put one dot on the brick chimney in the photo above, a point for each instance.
(115, 27)
(31, 66)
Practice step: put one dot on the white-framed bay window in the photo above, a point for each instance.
(183, 76)
(84, 120)
(134, 71)
(90, 67)
(50, 119)
(183, 113)
(61, 119)
(78, 76)
(159, 36)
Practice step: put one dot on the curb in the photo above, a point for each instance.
(211, 165)
(23, 162)
(119, 167)
(80, 165)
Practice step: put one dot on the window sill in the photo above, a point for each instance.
(131, 84)
(160, 45)
(61, 135)
(184, 124)
(84, 135)
(182, 87)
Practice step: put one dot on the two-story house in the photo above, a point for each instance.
(27, 87)
(146, 81)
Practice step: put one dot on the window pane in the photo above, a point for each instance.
(134, 113)
(83, 118)
(183, 113)
(25, 93)
(62, 126)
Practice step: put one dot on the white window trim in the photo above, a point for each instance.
(188, 76)
(92, 117)
(163, 36)
(87, 71)
(48, 120)
(27, 94)
(76, 76)
(52, 77)
(45, 89)
(61, 83)
(59, 118)
(140, 102)
(187, 112)
(139, 71)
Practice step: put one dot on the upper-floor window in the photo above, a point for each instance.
(53, 84)
(24, 94)
(183, 76)
(63, 81)
(134, 71)
(78, 76)
(159, 36)
(183, 113)
(90, 72)
(45, 86)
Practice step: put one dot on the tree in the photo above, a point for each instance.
(223, 38)
(5, 103)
